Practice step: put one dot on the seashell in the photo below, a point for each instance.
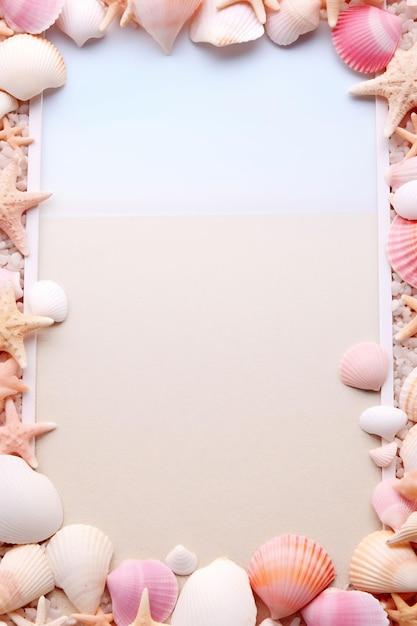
(47, 298)
(339, 607)
(407, 485)
(163, 19)
(401, 247)
(293, 19)
(406, 532)
(8, 277)
(233, 24)
(25, 574)
(404, 200)
(390, 506)
(407, 400)
(80, 556)
(384, 455)
(377, 567)
(217, 594)
(29, 65)
(366, 37)
(400, 173)
(127, 582)
(181, 561)
(81, 20)
(7, 103)
(408, 450)
(288, 571)
(34, 510)
(31, 16)
(383, 420)
(364, 366)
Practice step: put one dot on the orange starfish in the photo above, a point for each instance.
(410, 137)
(404, 614)
(410, 329)
(13, 136)
(99, 619)
(10, 384)
(118, 8)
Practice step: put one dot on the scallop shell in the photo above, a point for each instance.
(47, 298)
(377, 567)
(164, 19)
(400, 173)
(29, 65)
(31, 16)
(364, 366)
(217, 594)
(390, 506)
(34, 509)
(366, 37)
(81, 20)
(404, 200)
(127, 582)
(407, 400)
(80, 558)
(383, 420)
(384, 455)
(8, 277)
(402, 247)
(181, 561)
(406, 532)
(233, 24)
(293, 19)
(25, 575)
(407, 485)
(7, 103)
(288, 571)
(408, 450)
(339, 607)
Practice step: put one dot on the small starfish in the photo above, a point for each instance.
(398, 84)
(117, 8)
(13, 203)
(99, 619)
(13, 136)
(410, 137)
(410, 329)
(404, 614)
(144, 617)
(257, 5)
(18, 617)
(14, 325)
(10, 384)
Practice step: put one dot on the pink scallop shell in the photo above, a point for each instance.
(127, 582)
(364, 366)
(384, 455)
(339, 607)
(366, 37)
(402, 248)
(390, 506)
(31, 16)
(400, 173)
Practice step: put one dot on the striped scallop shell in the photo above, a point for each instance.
(407, 400)
(402, 248)
(364, 366)
(293, 19)
(222, 27)
(31, 16)
(404, 200)
(29, 65)
(181, 561)
(390, 506)
(377, 567)
(407, 485)
(383, 420)
(406, 532)
(384, 455)
(408, 450)
(366, 37)
(80, 558)
(400, 173)
(288, 571)
(217, 594)
(339, 607)
(46, 297)
(81, 20)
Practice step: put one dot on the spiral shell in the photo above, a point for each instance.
(364, 366)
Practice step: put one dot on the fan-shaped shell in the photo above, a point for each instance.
(383, 420)
(407, 400)
(404, 200)
(47, 298)
(400, 173)
(31, 16)
(384, 455)
(408, 450)
(406, 532)
(233, 24)
(34, 510)
(217, 594)
(81, 20)
(181, 561)
(366, 37)
(7, 103)
(364, 366)
(402, 247)
(127, 582)
(390, 506)
(80, 556)
(377, 567)
(407, 485)
(338, 607)
(25, 575)
(293, 19)
(288, 571)
(29, 65)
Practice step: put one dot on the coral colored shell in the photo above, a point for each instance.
(364, 366)
(407, 400)
(31, 16)
(34, 509)
(407, 485)
(223, 27)
(8, 277)
(288, 571)
(127, 582)
(181, 561)
(7, 103)
(293, 19)
(400, 173)
(404, 200)
(81, 20)
(384, 455)
(25, 575)
(377, 567)
(390, 506)
(402, 247)
(80, 556)
(217, 594)
(29, 65)
(47, 298)
(406, 532)
(366, 37)
(339, 607)
(383, 420)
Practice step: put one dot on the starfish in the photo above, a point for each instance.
(257, 5)
(13, 203)
(14, 325)
(122, 8)
(410, 137)
(10, 384)
(410, 329)
(144, 617)
(404, 614)
(19, 618)
(99, 619)
(10, 134)
(398, 84)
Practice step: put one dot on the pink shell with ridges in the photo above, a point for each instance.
(402, 248)
(400, 173)
(390, 506)
(31, 16)
(364, 366)
(339, 607)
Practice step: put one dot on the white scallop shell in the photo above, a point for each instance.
(364, 366)
(400, 173)
(34, 509)
(383, 420)
(293, 19)
(222, 27)
(29, 65)
(46, 297)
(80, 557)
(408, 450)
(384, 455)
(404, 200)
(81, 20)
(181, 561)
(7, 103)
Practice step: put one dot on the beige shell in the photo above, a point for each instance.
(293, 19)
(384, 455)
(81, 20)
(234, 24)
(29, 65)
(46, 297)
(80, 556)
(406, 532)
(407, 400)
(364, 366)
(7, 103)
(181, 561)
(408, 450)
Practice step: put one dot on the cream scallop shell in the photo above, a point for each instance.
(31, 16)
(407, 400)
(293, 19)
(81, 20)
(25, 575)
(404, 200)
(364, 366)
(46, 297)
(408, 450)
(223, 27)
(400, 173)
(339, 607)
(80, 557)
(7, 103)
(220, 594)
(29, 65)
(181, 561)
(392, 508)
(385, 454)
(383, 420)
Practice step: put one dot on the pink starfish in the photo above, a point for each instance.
(10, 384)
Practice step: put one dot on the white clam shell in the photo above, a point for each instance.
(404, 200)
(408, 450)
(293, 19)
(234, 24)
(81, 20)
(383, 420)
(181, 561)
(80, 557)
(34, 509)
(384, 455)
(364, 366)
(47, 298)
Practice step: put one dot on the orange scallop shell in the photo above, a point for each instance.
(288, 571)
(402, 248)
